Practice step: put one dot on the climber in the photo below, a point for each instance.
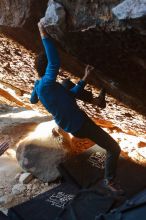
(58, 101)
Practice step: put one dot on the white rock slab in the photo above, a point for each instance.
(130, 9)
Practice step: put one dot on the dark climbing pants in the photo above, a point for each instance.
(93, 132)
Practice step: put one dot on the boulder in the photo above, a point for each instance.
(15, 124)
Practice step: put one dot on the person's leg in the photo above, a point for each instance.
(99, 136)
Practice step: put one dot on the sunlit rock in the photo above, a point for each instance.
(25, 178)
(54, 20)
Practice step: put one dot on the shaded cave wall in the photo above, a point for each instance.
(93, 35)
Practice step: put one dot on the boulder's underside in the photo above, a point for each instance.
(102, 33)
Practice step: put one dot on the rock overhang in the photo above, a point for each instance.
(90, 32)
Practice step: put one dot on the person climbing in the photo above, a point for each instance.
(62, 105)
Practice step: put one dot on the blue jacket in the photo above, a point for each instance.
(55, 98)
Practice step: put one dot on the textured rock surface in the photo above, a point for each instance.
(115, 118)
(115, 49)
(81, 13)
(49, 148)
(130, 9)
(19, 18)
(55, 19)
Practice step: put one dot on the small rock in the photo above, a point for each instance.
(130, 9)
(18, 189)
(25, 178)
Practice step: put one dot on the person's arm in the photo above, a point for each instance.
(34, 98)
(78, 88)
(81, 84)
(51, 53)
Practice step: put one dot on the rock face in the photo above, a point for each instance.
(40, 153)
(90, 33)
(55, 19)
